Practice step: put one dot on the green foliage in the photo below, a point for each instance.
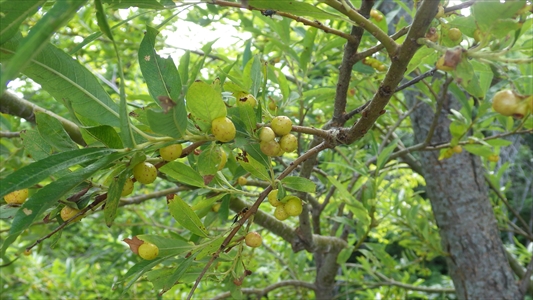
(365, 199)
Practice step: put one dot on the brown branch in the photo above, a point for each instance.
(263, 292)
(12, 104)
(378, 48)
(460, 6)
(400, 60)
(305, 21)
(9, 135)
(416, 80)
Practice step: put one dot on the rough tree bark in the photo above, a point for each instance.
(459, 197)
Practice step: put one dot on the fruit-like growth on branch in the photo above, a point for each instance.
(288, 142)
(172, 152)
(16, 197)
(145, 172)
(281, 125)
(223, 129)
(148, 251)
(68, 212)
(253, 239)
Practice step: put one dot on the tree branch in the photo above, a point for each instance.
(12, 104)
(305, 21)
(423, 18)
(263, 292)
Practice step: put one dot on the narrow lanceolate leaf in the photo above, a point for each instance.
(163, 80)
(47, 197)
(34, 173)
(107, 135)
(53, 132)
(295, 7)
(125, 126)
(183, 173)
(113, 198)
(299, 184)
(68, 82)
(13, 13)
(183, 213)
(204, 103)
(37, 38)
(35, 144)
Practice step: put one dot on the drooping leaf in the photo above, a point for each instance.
(113, 198)
(68, 82)
(299, 184)
(37, 38)
(105, 134)
(183, 173)
(35, 145)
(183, 213)
(208, 161)
(13, 14)
(255, 168)
(53, 132)
(308, 44)
(34, 173)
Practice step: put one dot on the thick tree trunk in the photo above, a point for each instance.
(459, 197)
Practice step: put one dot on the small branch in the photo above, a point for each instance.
(366, 24)
(356, 111)
(459, 6)
(388, 281)
(9, 135)
(400, 60)
(312, 152)
(142, 198)
(509, 206)
(263, 292)
(416, 80)
(12, 104)
(305, 21)
(378, 48)
(311, 130)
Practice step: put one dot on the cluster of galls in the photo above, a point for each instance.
(277, 139)
(289, 206)
(374, 63)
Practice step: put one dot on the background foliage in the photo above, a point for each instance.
(103, 66)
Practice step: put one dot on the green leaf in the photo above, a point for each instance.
(105, 134)
(211, 247)
(179, 272)
(487, 13)
(35, 145)
(161, 75)
(102, 20)
(183, 213)
(183, 173)
(37, 38)
(53, 132)
(68, 82)
(204, 103)
(34, 173)
(149, 4)
(480, 150)
(183, 69)
(139, 269)
(13, 14)
(173, 123)
(383, 157)
(308, 45)
(113, 198)
(47, 196)
(208, 161)
(255, 168)
(299, 184)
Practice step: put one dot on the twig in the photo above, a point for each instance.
(356, 111)
(305, 21)
(391, 46)
(377, 48)
(389, 281)
(416, 80)
(263, 292)
(8, 134)
(508, 205)
(253, 210)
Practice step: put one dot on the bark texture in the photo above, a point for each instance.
(459, 197)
